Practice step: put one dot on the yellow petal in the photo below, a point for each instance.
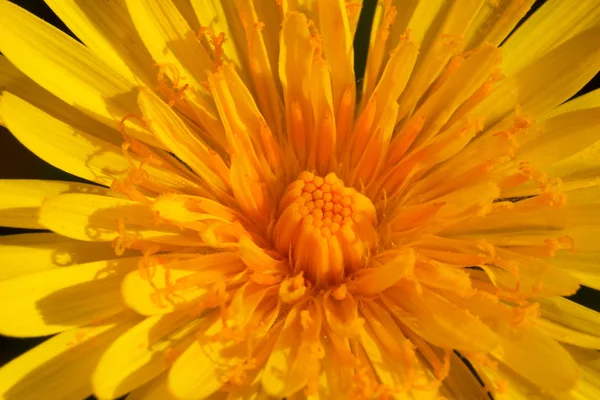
(334, 26)
(553, 23)
(495, 20)
(295, 66)
(550, 144)
(447, 42)
(389, 24)
(263, 52)
(577, 171)
(169, 38)
(293, 361)
(563, 334)
(386, 330)
(16, 82)
(59, 299)
(160, 288)
(150, 293)
(61, 367)
(391, 372)
(248, 136)
(171, 41)
(68, 69)
(505, 384)
(342, 315)
(29, 253)
(462, 382)
(570, 314)
(526, 350)
(198, 372)
(374, 280)
(443, 276)
(384, 98)
(460, 86)
(588, 100)
(545, 83)
(156, 389)
(21, 199)
(106, 28)
(435, 319)
(72, 150)
(534, 277)
(222, 16)
(96, 218)
(589, 360)
(336, 376)
(171, 130)
(251, 391)
(547, 214)
(323, 142)
(581, 264)
(425, 19)
(142, 353)
(188, 209)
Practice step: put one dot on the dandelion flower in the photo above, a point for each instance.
(265, 228)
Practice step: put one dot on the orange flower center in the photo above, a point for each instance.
(326, 228)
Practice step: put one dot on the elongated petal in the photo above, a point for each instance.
(171, 42)
(570, 314)
(391, 372)
(553, 23)
(59, 299)
(263, 53)
(142, 353)
(68, 69)
(14, 81)
(589, 361)
(581, 264)
(222, 17)
(334, 27)
(96, 218)
(495, 20)
(295, 65)
(462, 382)
(526, 350)
(588, 100)
(435, 319)
(552, 145)
(157, 389)
(547, 82)
(293, 359)
(150, 292)
(106, 28)
(160, 288)
(20, 199)
(57, 146)
(29, 253)
(61, 367)
(170, 129)
(198, 371)
(375, 280)
(563, 334)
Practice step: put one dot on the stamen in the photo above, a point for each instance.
(327, 228)
(218, 41)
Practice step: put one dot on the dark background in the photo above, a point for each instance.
(16, 162)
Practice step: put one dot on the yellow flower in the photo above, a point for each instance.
(269, 229)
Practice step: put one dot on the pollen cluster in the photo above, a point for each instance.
(326, 228)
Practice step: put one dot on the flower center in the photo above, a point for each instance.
(326, 228)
